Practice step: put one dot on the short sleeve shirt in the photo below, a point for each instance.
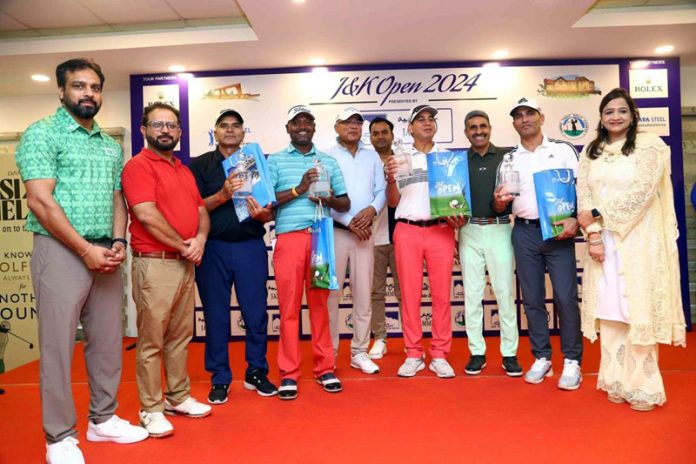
(286, 169)
(148, 177)
(551, 154)
(85, 165)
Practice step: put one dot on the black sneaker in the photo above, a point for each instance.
(511, 367)
(257, 380)
(288, 389)
(218, 394)
(330, 383)
(476, 363)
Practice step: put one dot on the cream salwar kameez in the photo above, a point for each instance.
(633, 299)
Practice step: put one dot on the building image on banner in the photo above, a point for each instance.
(568, 91)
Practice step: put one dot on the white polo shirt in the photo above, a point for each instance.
(551, 154)
(414, 204)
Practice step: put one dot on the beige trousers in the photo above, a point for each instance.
(163, 290)
(626, 370)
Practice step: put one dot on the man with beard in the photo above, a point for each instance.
(235, 254)
(534, 256)
(169, 227)
(292, 171)
(364, 176)
(72, 173)
(484, 243)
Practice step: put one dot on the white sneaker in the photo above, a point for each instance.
(410, 367)
(442, 368)
(572, 375)
(189, 408)
(378, 350)
(362, 362)
(65, 451)
(116, 430)
(156, 424)
(539, 371)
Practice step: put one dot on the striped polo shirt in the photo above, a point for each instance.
(286, 168)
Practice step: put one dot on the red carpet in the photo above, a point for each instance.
(385, 419)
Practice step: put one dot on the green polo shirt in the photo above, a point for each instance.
(482, 175)
(86, 166)
(286, 169)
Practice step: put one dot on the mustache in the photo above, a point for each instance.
(88, 100)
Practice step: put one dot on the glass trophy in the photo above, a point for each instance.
(509, 177)
(243, 173)
(321, 186)
(403, 160)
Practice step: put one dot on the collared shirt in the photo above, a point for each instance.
(224, 224)
(414, 204)
(286, 169)
(551, 154)
(483, 171)
(86, 166)
(147, 177)
(364, 178)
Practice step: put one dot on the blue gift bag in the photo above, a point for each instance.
(448, 184)
(261, 189)
(322, 260)
(555, 196)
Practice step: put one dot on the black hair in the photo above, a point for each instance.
(595, 147)
(384, 120)
(158, 106)
(77, 64)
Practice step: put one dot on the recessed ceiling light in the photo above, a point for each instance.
(40, 78)
(317, 61)
(664, 49)
(298, 1)
(177, 68)
(492, 64)
(500, 54)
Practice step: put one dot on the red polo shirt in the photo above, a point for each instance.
(148, 177)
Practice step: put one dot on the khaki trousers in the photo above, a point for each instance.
(384, 259)
(163, 290)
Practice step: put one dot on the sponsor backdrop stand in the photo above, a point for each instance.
(569, 92)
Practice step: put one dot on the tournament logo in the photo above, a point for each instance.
(349, 321)
(230, 92)
(460, 319)
(240, 323)
(427, 320)
(570, 85)
(573, 126)
(275, 324)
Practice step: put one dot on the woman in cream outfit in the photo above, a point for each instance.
(631, 291)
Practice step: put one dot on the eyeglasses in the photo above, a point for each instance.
(158, 125)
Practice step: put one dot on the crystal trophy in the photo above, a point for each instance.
(321, 186)
(243, 173)
(509, 177)
(403, 160)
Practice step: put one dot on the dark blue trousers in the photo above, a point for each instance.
(244, 265)
(532, 257)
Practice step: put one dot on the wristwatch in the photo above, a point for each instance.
(596, 213)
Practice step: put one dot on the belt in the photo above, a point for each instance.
(158, 255)
(428, 223)
(533, 222)
(484, 221)
(338, 225)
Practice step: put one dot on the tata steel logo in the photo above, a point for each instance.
(573, 126)
(349, 321)
(240, 323)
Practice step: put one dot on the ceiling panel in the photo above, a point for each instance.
(49, 14)
(7, 23)
(131, 11)
(206, 8)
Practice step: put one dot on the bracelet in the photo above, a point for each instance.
(594, 227)
(84, 253)
(596, 242)
(294, 193)
(119, 240)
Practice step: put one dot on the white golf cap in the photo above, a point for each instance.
(528, 102)
(299, 109)
(416, 110)
(346, 114)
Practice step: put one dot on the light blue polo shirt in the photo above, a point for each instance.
(286, 168)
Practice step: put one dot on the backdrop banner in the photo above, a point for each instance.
(568, 91)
